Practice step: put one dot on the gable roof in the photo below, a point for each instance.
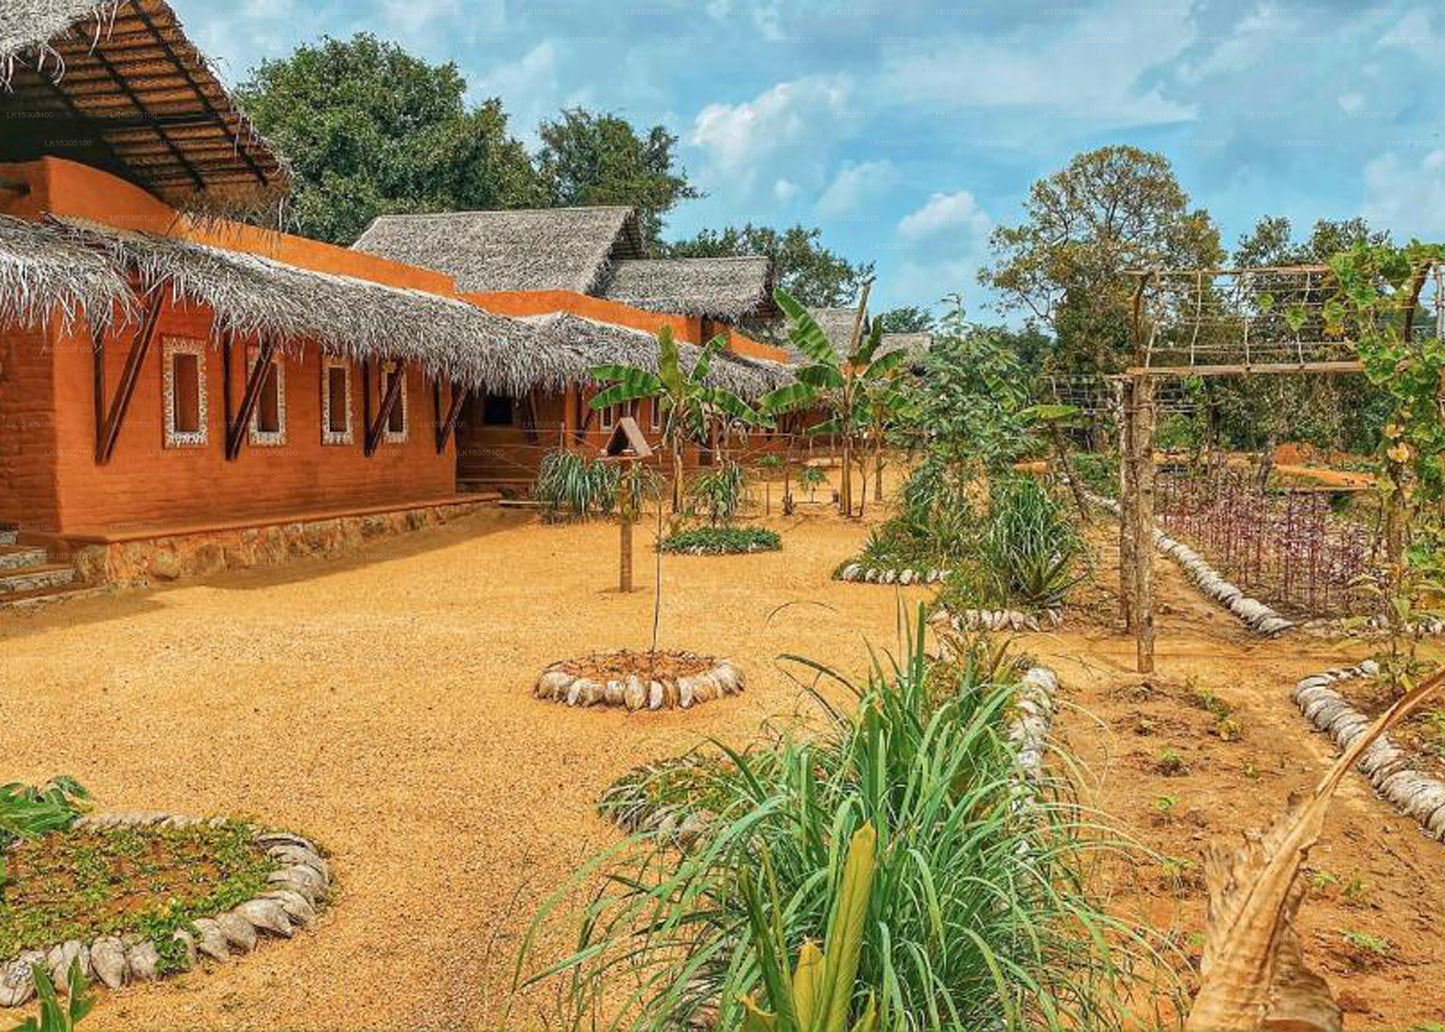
(525, 250)
(715, 288)
(117, 84)
(917, 345)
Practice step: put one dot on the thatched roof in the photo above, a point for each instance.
(116, 84)
(916, 344)
(574, 345)
(715, 288)
(83, 268)
(43, 268)
(535, 249)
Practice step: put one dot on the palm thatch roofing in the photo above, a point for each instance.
(44, 269)
(714, 288)
(84, 268)
(575, 345)
(117, 85)
(917, 345)
(525, 250)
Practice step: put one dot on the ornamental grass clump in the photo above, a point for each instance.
(980, 915)
(572, 486)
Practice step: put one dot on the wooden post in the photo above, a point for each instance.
(624, 580)
(1124, 411)
(1144, 523)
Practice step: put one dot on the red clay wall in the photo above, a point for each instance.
(147, 486)
(28, 494)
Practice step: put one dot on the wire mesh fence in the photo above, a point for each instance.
(1289, 547)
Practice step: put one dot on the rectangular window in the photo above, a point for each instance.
(184, 392)
(608, 416)
(335, 400)
(497, 410)
(654, 408)
(396, 421)
(268, 419)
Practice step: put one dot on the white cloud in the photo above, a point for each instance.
(740, 139)
(1407, 199)
(1416, 33)
(1090, 69)
(784, 190)
(856, 185)
(531, 89)
(1351, 102)
(950, 213)
(1248, 46)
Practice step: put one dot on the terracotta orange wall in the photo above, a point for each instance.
(148, 486)
(29, 496)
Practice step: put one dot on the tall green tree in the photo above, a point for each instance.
(372, 130)
(906, 319)
(1109, 210)
(589, 158)
(813, 274)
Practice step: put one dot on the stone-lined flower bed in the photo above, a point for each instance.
(288, 873)
(1387, 766)
(632, 801)
(722, 541)
(867, 573)
(1001, 620)
(1251, 612)
(639, 681)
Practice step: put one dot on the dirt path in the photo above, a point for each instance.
(381, 704)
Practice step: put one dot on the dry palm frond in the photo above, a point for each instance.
(1254, 974)
(43, 271)
(715, 288)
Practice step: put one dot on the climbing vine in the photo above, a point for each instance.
(1378, 300)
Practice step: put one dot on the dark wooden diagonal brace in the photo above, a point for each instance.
(236, 432)
(448, 424)
(529, 417)
(383, 414)
(139, 347)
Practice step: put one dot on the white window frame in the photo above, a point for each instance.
(329, 436)
(174, 438)
(268, 438)
(654, 414)
(389, 369)
(606, 416)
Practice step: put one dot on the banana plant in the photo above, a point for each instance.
(690, 405)
(818, 995)
(839, 382)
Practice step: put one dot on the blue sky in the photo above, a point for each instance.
(907, 131)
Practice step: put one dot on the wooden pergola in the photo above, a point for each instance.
(1206, 323)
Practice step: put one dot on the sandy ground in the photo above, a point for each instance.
(382, 705)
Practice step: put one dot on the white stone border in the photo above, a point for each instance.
(301, 887)
(1388, 767)
(863, 573)
(1254, 614)
(632, 694)
(1000, 620)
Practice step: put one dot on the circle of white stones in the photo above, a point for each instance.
(299, 889)
(634, 693)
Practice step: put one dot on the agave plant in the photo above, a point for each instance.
(1030, 549)
(574, 486)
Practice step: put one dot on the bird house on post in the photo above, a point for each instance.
(626, 445)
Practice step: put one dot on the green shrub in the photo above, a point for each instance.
(723, 540)
(718, 493)
(573, 486)
(980, 916)
(811, 478)
(1099, 472)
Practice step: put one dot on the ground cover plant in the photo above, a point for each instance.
(979, 916)
(148, 880)
(722, 540)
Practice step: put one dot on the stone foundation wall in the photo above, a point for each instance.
(198, 555)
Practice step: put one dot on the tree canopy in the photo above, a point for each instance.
(906, 319)
(1109, 210)
(373, 130)
(816, 276)
(600, 159)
